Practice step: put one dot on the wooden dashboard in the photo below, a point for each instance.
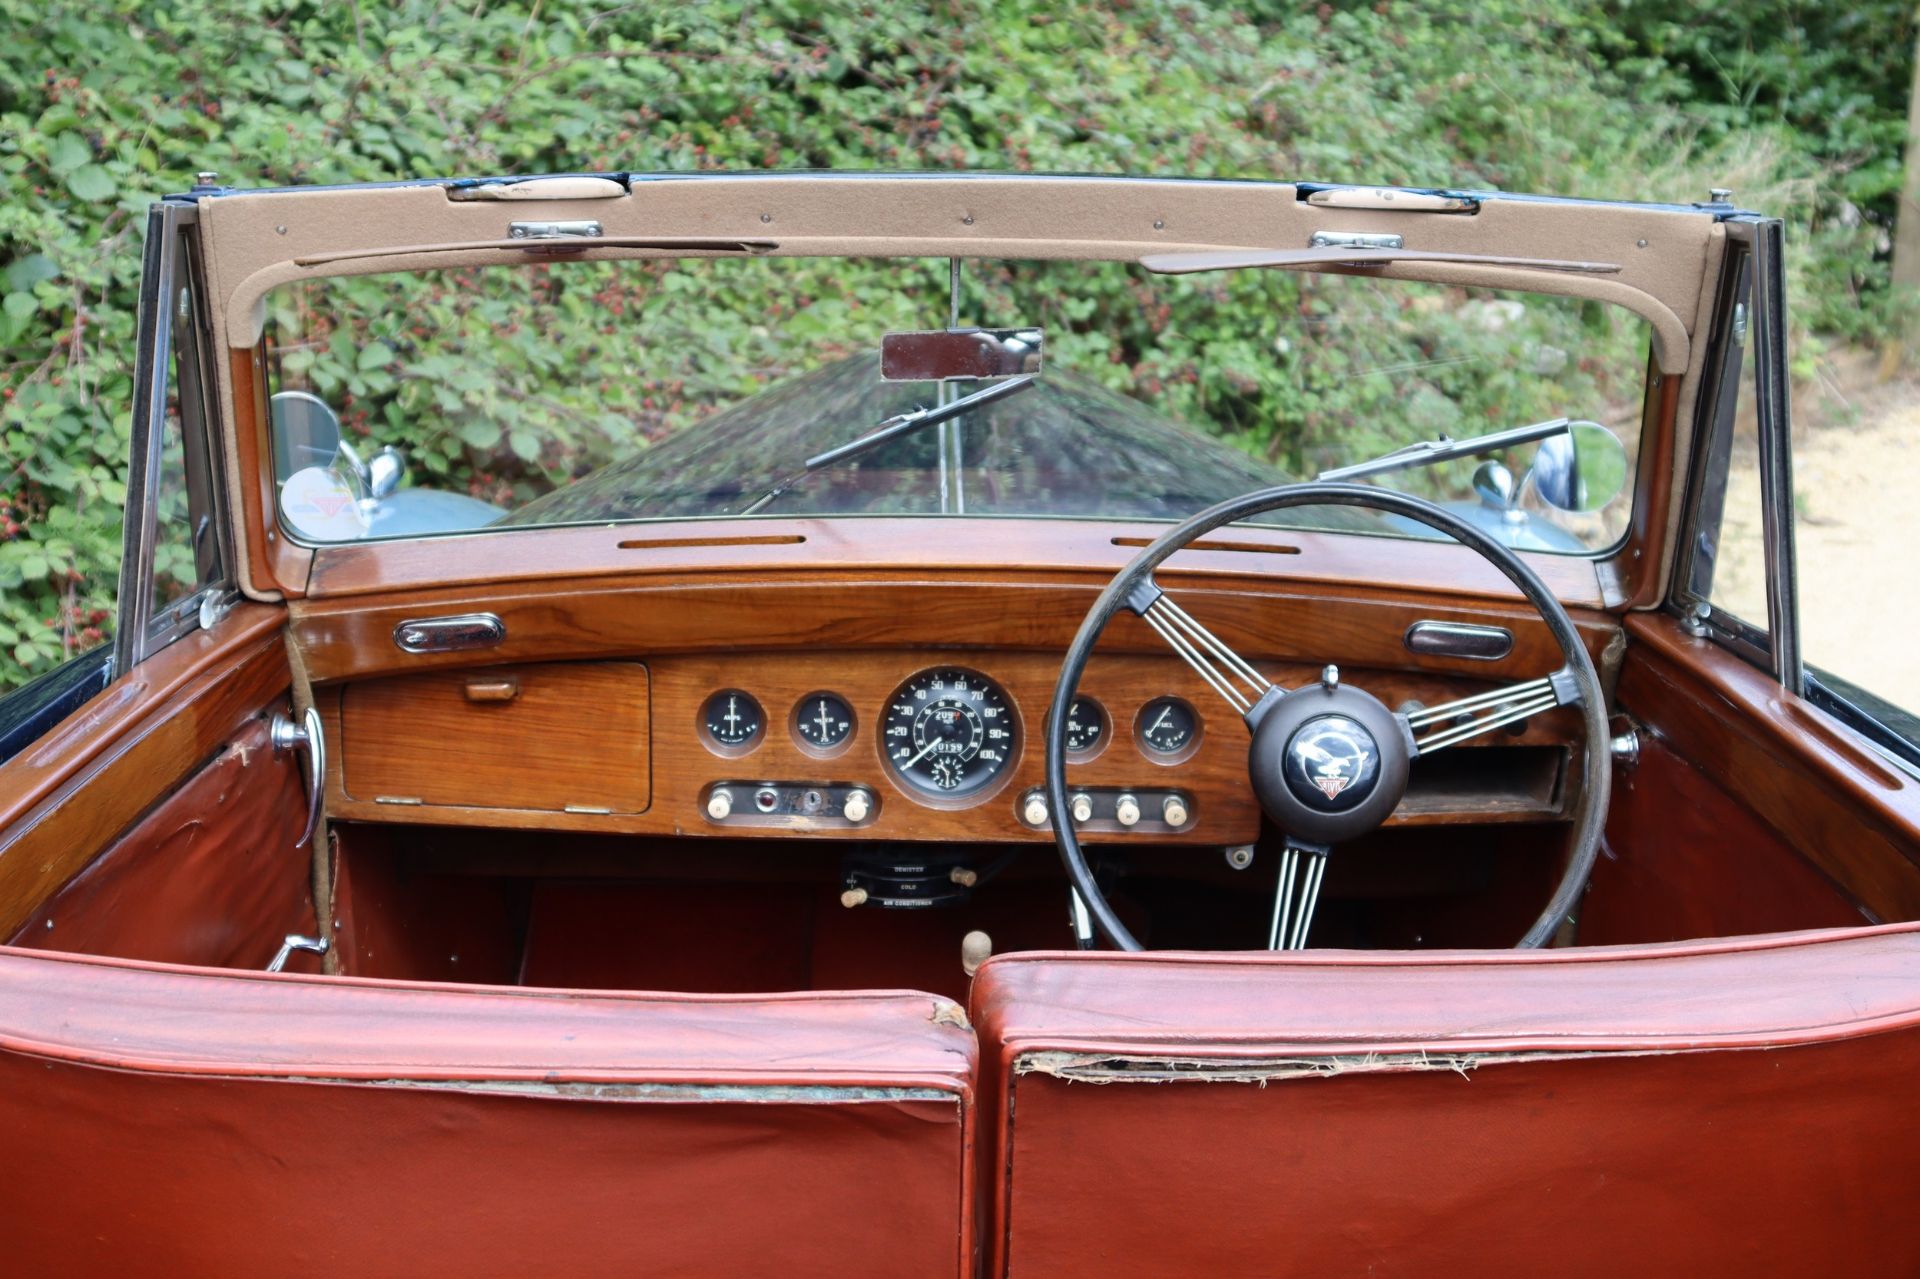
(586, 714)
(624, 746)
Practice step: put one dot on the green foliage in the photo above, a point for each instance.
(104, 106)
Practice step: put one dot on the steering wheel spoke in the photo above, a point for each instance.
(1453, 722)
(1296, 893)
(1225, 671)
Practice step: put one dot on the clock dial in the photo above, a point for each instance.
(823, 722)
(949, 734)
(1167, 726)
(733, 721)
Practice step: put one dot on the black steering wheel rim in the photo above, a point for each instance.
(1595, 793)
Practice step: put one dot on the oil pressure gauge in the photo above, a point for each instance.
(1086, 728)
(822, 723)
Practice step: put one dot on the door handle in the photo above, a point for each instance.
(304, 736)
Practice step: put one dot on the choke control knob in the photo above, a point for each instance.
(1081, 806)
(1126, 810)
(1035, 809)
(720, 804)
(1174, 809)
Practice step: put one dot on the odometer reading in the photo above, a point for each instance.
(949, 733)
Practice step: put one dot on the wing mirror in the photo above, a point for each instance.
(306, 432)
(1580, 470)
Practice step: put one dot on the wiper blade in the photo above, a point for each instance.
(1444, 449)
(905, 423)
(892, 429)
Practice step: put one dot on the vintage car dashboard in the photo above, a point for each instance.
(895, 744)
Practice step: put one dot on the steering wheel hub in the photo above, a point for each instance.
(1328, 762)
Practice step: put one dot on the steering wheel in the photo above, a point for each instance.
(1328, 761)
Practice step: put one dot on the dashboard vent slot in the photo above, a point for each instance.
(743, 539)
(1217, 544)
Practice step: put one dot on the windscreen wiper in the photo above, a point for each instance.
(892, 429)
(1444, 449)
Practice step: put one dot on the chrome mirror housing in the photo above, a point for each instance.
(1579, 471)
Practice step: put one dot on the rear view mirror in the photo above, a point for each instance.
(1581, 470)
(306, 432)
(941, 355)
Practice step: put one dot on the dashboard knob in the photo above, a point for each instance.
(1081, 806)
(1174, 809)
(857, 806)
(1126, 810)
(1036, 809)
(853, 897)
(720, 804)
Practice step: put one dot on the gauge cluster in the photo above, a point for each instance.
(946, 737)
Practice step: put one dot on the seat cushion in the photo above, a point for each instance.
(1734, 1108)
(169, 1121)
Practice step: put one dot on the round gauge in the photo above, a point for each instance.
(1086, 728)
(733, 721)
(1167, 727)
(949, 734)
(822, 722)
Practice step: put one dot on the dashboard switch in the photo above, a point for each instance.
(720, 804)
(856, 807)
(1126, 810)
(1035, 809)
(1081, 806)
(1174, 809)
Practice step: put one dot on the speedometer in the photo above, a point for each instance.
(949, 734)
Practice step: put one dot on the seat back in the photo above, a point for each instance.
(1737, 1108)
(167, 1121)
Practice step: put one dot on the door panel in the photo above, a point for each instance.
(1826, 793)
(65, 798)
(1480, 1113)
(211, 876)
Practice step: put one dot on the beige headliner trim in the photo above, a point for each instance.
(1665, 254)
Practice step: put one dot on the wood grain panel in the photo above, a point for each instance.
(1827, 792)
(1225, 811)
(570, 735)
(643, 616)
(937, 545)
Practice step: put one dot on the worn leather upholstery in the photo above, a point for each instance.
(178, 1122)
(1736, 1108)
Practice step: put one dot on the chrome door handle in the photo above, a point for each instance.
(305, 736)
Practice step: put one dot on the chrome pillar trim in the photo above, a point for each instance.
(153, 359)
(293, 942)
(1459, 639)
(305, 736)
(450, 634)
(1776, 453)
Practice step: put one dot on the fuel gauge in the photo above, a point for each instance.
(1168, 729)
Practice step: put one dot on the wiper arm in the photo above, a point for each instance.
(1427, 452)
(906, 423)
(892, 429)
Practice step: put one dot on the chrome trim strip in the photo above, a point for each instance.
(450, 634)
(1459, 639)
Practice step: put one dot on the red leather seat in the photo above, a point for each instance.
(1738, 1108)
(190, 1122)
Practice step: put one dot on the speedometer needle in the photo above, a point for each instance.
(922, 755)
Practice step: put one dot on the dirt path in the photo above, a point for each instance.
(1856, 461)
